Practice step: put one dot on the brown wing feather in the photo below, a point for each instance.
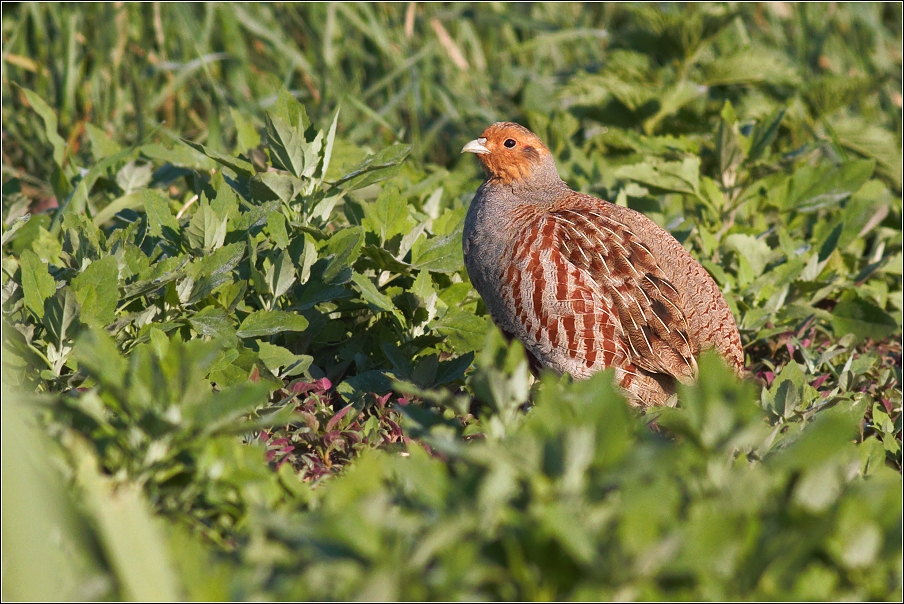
(654, 328)
(554, 308)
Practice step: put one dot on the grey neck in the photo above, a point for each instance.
(544, 187)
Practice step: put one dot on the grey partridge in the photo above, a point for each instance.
(585, 284)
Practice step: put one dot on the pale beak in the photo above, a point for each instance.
(476, 146)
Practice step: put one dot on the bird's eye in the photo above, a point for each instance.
(509, 143)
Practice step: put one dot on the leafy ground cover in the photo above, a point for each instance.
(248, 362)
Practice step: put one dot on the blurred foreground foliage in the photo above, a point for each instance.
(232, 269)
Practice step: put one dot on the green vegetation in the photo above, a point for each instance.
(242, 358)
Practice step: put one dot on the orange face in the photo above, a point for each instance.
(508, 151)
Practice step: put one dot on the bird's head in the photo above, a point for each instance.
(512, 153)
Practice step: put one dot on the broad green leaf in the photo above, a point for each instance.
(812, 188)
(680, 177)
(441, 254)
(101, 145)
(134, 176)
(43, 519)
(275, 185)
(449, 371)
(97, 291)
(277, 357)
(206, 231)
(371, 295)
(130, 201)
(270, 322)
(831, 242)
(380, 166)
(247, 136)
(157, 276)
(388, 215)
(751, 65)
(872, 142)
(37, 284)
(17, 224)
(754, 251)
(465, 331)
(61, 314)
(288, 109)
(354, 389)
(226, 202)
(288, 148)
(344, 247)
(785, 394)
(74, 205)
(161, 222)
(863, 319)
(280, 274)
(863, 213)
(213, 322)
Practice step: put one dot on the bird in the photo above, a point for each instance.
(585, 284)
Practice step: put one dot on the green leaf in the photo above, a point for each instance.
(344, 247)
(440, 254)
(815, 187)
(288, 148)
(764, 135)
(17, 224)
(206, 231)
(213, 322)
(277, 357)
(270, 322)
(130, 535)
(785, 394)
(61, 313)
(872, 142)
(268, 186)
(161, 222)
(227, 406)
(288, 109)
(328, 146)
(240, 166)
(465, 331)
(680, 177)
(449, 371)
(131, 201)
(754, 251)
(371, 295)
(51, 125)
(728, 147)
(102, 146)
(388, 215)
(831, 242)
(863, 319)
(280, 274)
(355, 388)
(134, 176)
(246, 134)
(380, 166)
(37, 284)
(97, 291)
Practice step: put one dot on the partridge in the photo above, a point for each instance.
(585, 284)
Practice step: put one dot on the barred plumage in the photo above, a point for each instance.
(585, 284)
